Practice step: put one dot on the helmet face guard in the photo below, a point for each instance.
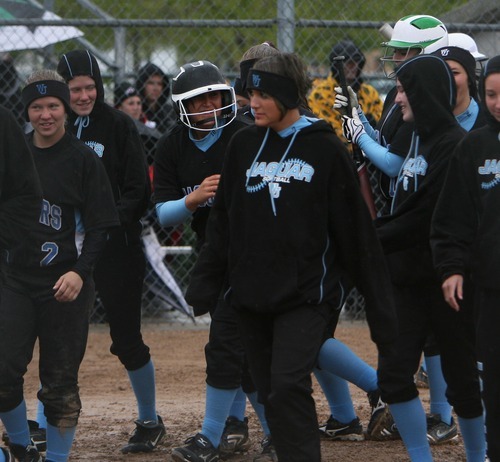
(198, 78)
(221, 116)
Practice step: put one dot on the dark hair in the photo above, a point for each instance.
(288, 65)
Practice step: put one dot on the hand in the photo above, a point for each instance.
(453, 290)
(341, 101)
(203, 193)
(68, 287)
(352, 127)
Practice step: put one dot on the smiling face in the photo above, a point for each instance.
(402, 101)
(202, 109)
(47, 116)
(492, 95)
(83, 94)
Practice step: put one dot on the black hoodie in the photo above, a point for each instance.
(466, 223)
(430, 88)
(289, 224)
(114, 137)
(164, 115)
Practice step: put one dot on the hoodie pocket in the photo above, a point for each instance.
(264, 282)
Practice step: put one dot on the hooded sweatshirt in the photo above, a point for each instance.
(466, 223)
(290, 226)
(113, 136)
(430, 88)
(164, 114)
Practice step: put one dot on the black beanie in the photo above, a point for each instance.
(123, 91)
(43, 88)
(465, 58)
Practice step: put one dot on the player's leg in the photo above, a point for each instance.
(396, 371)
(17, 339)
(63, 334)
(224, 425)
(119, 277)
(455, 336)
(488, 343)
(282, 350)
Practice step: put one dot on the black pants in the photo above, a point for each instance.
(119, 278)
(282, 352)
(422, 309)
(488, 343)
(227, 367)
(62, 330)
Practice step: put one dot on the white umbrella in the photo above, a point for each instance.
(31, 37)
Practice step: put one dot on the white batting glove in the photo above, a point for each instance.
(341, 100)
(352, 127)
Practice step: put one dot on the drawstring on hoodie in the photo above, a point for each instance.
(82, 122)
(412, 152)
(264, 182)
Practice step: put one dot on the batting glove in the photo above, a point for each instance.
(341, 101)
(352, 127)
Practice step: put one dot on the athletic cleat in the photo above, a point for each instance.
(439, 432)
(25, 454)
(381, 426)
(268, 453)
(235, 437)
(334, 430)
(145, 437)
(7, 455)
(198, 448)
(38, 436)
(421, 378)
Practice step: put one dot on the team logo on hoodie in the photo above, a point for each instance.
(97, 147)
(276, 173)
(490, 167)
(413, 167)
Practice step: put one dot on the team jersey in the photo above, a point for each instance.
(322, 98)
(77, 209)
(180, 167)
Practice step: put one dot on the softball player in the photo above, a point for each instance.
(47, 288)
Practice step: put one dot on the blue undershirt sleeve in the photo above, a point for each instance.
(370, 131)
(380, 156)
(172, 213)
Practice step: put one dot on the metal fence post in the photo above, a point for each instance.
(286, 25)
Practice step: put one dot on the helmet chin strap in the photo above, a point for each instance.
(203, 121)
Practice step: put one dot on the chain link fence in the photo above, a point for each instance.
(126, 35)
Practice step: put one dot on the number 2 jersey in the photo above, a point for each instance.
(76, 212)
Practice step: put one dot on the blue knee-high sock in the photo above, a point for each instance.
(239, 406)
(16, 424)
(260, 411)
(143, 384)
(437, 388)
(40, 415)
(59, 442)
(337, 394)
(474, 438)
(217, 406)
(410, 419)
(337, 358)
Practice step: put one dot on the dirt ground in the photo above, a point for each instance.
(109, 408)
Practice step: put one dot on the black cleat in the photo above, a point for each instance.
(25, 454)
(145, 437)
(198, 448)
(334, 430)
(234, 439)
